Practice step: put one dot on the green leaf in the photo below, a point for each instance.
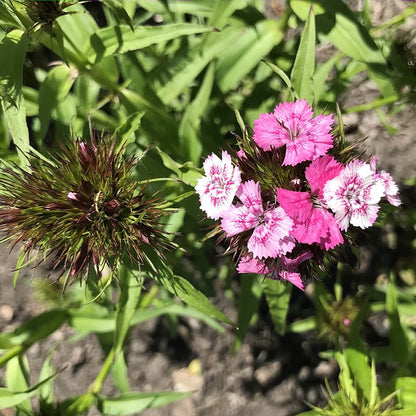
(398, 340)
(17, 378)
(407, 391)
(196, 61)
(47, 372)
(132, 403)
(277, 296)
(185, 291)
(10, 399)
(121, 39)
(12, 55)
(221, 12)
(131, 285)
(304, 65)
(248, 303)
(307, 324)
(52, 92)
(341, 28)
(189, 128)
(17, 374)
(252, 45)
(337, 24)
(32, 331)
(125, 132)
(83, 321)
(119, 373)
(284, 78)
(356, 357)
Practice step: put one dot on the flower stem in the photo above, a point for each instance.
(96, 385)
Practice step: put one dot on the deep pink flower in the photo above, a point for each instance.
(391, 190)
(292, 124)
(270, 237)
(285, 269)
(354, 195)
(313, 222)
(218, 187)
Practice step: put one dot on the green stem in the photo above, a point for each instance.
(12, 352)
(97, 384)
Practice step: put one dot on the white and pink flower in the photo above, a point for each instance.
(391, 190)
(271, 227)
(292, 124)
(218, 187)
(354, 195)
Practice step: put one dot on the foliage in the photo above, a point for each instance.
(173, 78)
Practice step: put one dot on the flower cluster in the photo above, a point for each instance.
(84, 207)
(291, 192)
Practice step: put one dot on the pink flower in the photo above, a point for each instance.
(354, 195)
(313, 222)
(292, 124)
(270, 237)
(285, 269)
(218, 187)
(391, 190)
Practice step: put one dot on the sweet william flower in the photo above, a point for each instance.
(391, 190)
(314, 223)
(354, 195)
(217, 188)
(271, 226)
(293, 125)
(83, 208)
(285, 268)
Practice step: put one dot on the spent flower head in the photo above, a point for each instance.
(287, 198)
(83, 207)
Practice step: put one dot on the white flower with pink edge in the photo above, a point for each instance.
(218, 187)
(354, 195)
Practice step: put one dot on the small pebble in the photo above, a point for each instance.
(6, 313)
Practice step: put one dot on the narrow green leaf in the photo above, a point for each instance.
(345, 379)
(252, 45)
(304, 65)
(307, 324)
(10, 399)
(196, 61)
(37, 328)
(17, 378)
(398, 340)
(121, 39)
(119, 373)
(407, 391)
(221, 12)
(46, 372)
(85, 322)
(132, 403)
(248, 302)
(321, 75)
(284, 77)
(341, 28)
(130, 281)
(12, 55)
(125, 132)
(185, 291)
(277, 296)
(52, 92)
(189, 128)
